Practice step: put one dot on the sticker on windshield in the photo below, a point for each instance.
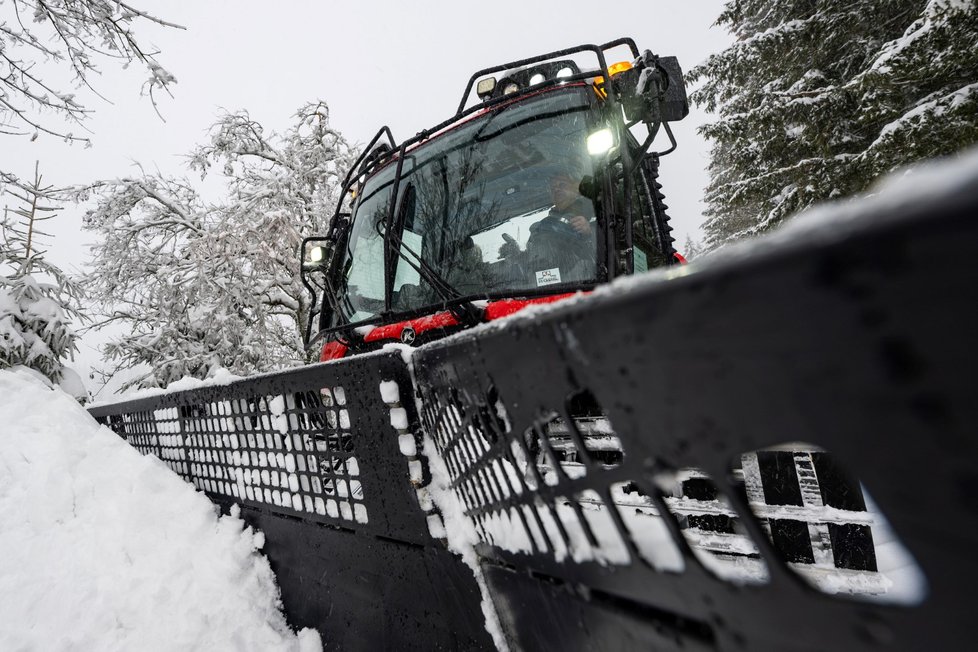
(548, 277)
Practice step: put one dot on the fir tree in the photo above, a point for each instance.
(38, 301)
(816, 100)
(692, 249)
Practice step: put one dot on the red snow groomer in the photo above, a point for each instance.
(543, 187)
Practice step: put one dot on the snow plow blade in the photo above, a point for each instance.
(769, 451)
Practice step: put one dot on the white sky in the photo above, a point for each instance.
(404, 64)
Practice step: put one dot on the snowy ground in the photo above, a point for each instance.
(102, 548)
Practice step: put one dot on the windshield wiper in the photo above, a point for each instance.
(465, 312)
(477, 137)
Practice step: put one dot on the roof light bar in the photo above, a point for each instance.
(613, 69)
(485, 87)
(516, 80)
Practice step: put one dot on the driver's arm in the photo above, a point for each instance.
(580, 224)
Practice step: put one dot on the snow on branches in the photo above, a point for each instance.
(204, 285)
(816, 100)
(38, 301)
(77, 35)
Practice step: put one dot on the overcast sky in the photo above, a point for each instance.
(404, 64)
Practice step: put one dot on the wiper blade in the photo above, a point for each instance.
(478, 136)
(466, 312)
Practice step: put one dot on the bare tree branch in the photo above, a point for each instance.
(78, 33)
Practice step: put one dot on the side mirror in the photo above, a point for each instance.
(654, 90)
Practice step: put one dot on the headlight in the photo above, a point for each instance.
(485, 87)
(600, 142)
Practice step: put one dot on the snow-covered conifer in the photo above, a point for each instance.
(691, 248)
(38, 301)
(816, 100)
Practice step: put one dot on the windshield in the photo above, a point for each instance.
(494, 207)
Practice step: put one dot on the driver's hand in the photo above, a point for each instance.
(509, 248)
(580, 224)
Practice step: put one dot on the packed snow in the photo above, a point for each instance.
(105, 549)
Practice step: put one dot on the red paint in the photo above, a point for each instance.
(506, 307)
(680, 258)
(495, 310)
(420, 325)
(333, 350)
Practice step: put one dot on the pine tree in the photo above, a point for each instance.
(692, 249)
(38, 301)
(816, 100)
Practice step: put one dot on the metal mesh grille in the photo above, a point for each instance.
(839, 340)
(529, 491)
(563, 489)
(292, 452)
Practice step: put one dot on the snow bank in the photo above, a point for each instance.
(103, 548)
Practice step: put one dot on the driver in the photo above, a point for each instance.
(569, 204)
(561, 247)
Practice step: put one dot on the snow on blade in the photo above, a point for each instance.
(461, 537)
(389, 391)
(449, 522)
(105, 549)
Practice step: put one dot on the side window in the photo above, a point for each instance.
(364, 266)
(412, 242)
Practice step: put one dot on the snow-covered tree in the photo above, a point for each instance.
(287, 186)
(204, 285)
(691, 248)
(815, 100)
(38, 301)
(72, 34)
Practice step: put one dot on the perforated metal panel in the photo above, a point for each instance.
(319, 459)
(296, 452)
(694, 515)
(632, 464)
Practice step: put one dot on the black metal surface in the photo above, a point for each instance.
(370, 593)
(858, 340)
(350, 544)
